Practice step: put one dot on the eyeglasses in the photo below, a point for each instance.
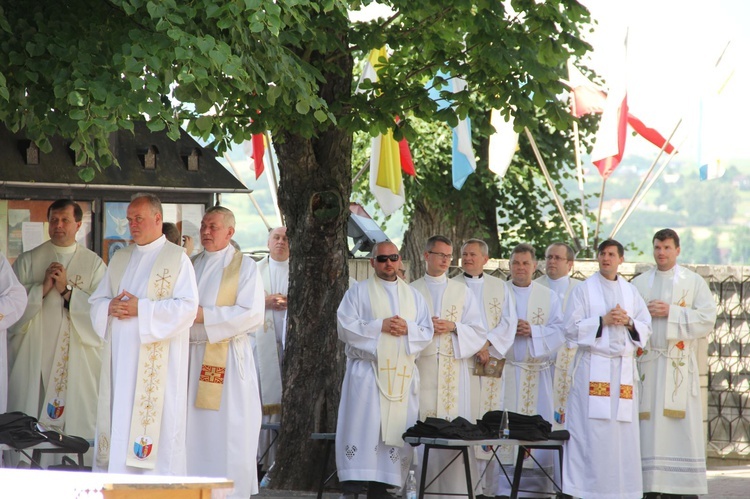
(385, 258)
(441, 255)
(555, 258)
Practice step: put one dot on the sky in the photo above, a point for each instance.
(671, 52)
(672, 49)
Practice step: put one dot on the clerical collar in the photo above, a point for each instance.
(388, 283)
(438, 280)
(469, 276)
(218, 253)
(153, 245)
(559, 279)
(64, 249)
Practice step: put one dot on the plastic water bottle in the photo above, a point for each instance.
(411, 486)
(505, 426)
(267, 477)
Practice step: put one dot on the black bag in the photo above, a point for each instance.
(20, 431)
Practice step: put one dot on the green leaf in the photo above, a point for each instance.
(320, 115)
(302, 107)
(75, 98)
(156, 125)
(86, 173)
(204, 123)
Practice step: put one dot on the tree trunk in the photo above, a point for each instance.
(314, 191)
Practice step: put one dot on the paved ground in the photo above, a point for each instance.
(722, 483)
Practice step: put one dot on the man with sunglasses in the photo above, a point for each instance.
(560, 258)
(444, 365)
(384, 325)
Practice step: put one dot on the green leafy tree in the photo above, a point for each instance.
(234, 67)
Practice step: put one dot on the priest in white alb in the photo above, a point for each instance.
(143, 309)
(384, 325)
(12, 305)
(55, 352)
(445, 390)
(683, 312)
(271, 336)
(608, 320)
(528, 370)
(224, 415)
(559, 259)
(499, 319)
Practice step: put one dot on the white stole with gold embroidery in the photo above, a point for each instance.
(522, 395)
(394, 367)
(437, 364)
(677, 352)
(52, 413)
(153, 364)
(268, 353)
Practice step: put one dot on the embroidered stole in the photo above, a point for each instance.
(153, 360)
(522, 395)
(52, 414)
(563, 378)
(601, 358)
(268, 353)
(437, 364)
(678, 352)
(213, 369)
(486, 390)
(394, 367)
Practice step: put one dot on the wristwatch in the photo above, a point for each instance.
(630, 322)
(68, 289)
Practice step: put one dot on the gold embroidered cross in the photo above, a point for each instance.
(537, 317)
(451, 314)
(496, 309)
(163, 283)
(386, 369)
(403, 377)
(77, 282)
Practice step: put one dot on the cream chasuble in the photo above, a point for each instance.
(145, 425)
(679, 351)
(394, 367)
(438, 366)
(213, 370)
(57, 344)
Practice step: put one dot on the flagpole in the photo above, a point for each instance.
(599, 216)
(249, 194)
(273, 183)
(579, 171)
(627, 214)
(361, 172)
(648, 174)
(551, 186)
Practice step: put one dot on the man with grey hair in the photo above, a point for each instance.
(560, 258)
(271, 337)
(444, 364)
(143, 308)
(224, 414)
(499, 319)
(528, 374)
(384, 325)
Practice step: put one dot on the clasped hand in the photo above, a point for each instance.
(124, 306)
(618, 316)
(395, 326)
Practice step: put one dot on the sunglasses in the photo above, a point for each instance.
(385, 258)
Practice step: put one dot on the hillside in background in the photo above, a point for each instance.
(712, 217)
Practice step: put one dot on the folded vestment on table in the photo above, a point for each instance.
(459, 428)
(522, 426)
